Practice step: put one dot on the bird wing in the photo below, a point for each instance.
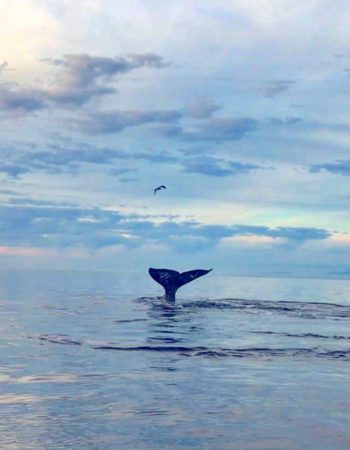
(159, 188)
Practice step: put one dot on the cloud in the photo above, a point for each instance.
(62, 227)
(17, 200)
(20, 101)
(297, 234)
(158, 158)
(201, 108)
(26, 252)
(117, 121)
(294, 234)
(12, 170)
(219, 129)
(81, 77)
(341, 167)
(216, 167)
(58, 227)
(8, 192)
(58, 159)
(121, 171)
(272, 88)
(137, 60)
(54, 161)
(290, 120)
(78, 79)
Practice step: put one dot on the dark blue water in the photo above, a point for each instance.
(96, 361)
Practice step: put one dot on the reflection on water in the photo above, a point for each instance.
(96, 361)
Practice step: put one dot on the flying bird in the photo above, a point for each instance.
(159, 188)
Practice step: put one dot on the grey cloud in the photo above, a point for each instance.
(152, 157)
(12, 170)
(216, 167)
(59, 159)
(79, 76)
(344, 272)
(17, 200)
(84, 70)
(61, 156)
(201, 108)
(218, 129)
(14, 100)
(341, 167)
(170, 130)
(59, 227)
(272, 88)
(76, 96)
(128, 179)
(301, 234)
(291, 120)
(116, 121)
(8, 192)
(121, 171)
(159, 158)
(78, 79)
(147, 60)
(54, 161)
(238, 167)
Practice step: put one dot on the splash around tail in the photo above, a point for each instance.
(171, 280)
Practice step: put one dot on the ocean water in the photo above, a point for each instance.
(97, 361)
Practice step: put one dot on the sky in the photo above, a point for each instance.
(239, 107)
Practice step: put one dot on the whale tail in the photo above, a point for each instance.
(171, 280)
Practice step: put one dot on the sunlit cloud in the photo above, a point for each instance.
(254, 240)
(78, 78)
(26, 252)
(340, 240)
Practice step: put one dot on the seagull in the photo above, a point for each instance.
(159, 188)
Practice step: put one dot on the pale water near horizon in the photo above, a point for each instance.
(97, 361)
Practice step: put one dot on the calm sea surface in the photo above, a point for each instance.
(97, 361)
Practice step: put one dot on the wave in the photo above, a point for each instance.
(266, 353)
(58, 339)
(312, 310)
(304, 335)
(307, 310)
(311, 345)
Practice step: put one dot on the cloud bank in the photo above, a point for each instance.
(61, 227)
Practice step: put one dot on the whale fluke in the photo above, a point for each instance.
(171, 280)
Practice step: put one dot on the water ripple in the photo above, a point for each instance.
(304, 335)
(307, 310)
(254, 352)
(203, 351)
